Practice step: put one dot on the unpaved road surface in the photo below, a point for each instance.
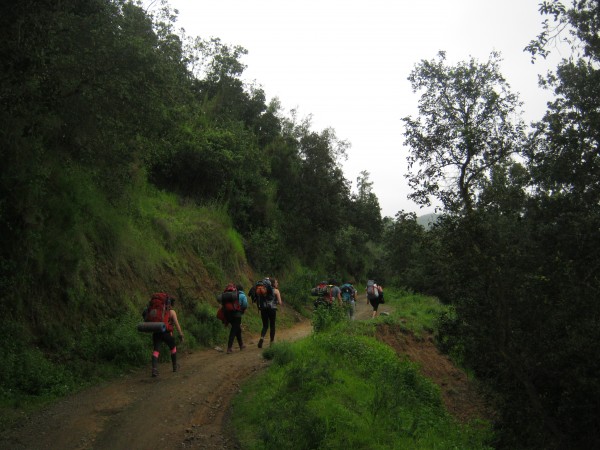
(187, 409)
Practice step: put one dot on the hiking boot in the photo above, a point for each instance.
(260, 342)
(154, 373)
(242, 347)
(176, 367)
(229, 350)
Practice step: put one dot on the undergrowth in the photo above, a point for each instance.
(340, 388)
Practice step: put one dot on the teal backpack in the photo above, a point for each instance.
(347, 291)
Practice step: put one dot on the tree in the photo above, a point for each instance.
(468, 123)
(365, 212)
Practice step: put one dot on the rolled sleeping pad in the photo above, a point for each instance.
(152, 327)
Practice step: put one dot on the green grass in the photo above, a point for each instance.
(341, 389)
(417, 313)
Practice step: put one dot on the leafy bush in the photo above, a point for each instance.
(325, 317)
(297, 288)
(203, 328)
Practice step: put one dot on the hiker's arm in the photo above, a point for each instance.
(176, 322)
(278, 296)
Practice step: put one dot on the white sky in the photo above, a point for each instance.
(346, 63)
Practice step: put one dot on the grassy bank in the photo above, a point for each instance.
(62, 343)
(340, 388)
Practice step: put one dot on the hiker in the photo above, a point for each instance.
(268, 311)
(323, 292)
(234, 317)
(160, 309)
(374, 296)
(336, 292)
(348, 293)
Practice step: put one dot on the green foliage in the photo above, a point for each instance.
(420, 313)
(125, 172)
(266, 250)
(340, 390)
(325, 318)
(26, 371)
(465, 128)
(516, 252)
(450, 336)
(296, 288)
(202, 327)
(114, 341)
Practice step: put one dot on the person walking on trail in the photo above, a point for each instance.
(348, 293)
(161, 309)
(234, 317)
(336, 292)
(268, 311)
(374, 296)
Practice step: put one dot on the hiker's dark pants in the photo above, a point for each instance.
(167, 338)
(268, 316)
(374, 303)
(235, 331)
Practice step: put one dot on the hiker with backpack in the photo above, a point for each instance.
(348, 293)
(234, 303)
(374, 296)
(336, 292)
(323, 292)
(160, 311)
(267, 296)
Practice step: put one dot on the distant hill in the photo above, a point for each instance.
(426, 220)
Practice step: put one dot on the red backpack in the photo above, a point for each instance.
(158, 309)
(230, 298)
(323, 290)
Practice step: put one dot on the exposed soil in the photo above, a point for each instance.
(461, 396)
(188, 409)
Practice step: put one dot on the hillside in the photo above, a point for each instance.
(426, 220)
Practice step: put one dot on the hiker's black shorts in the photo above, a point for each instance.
(165, 337)
(374, 303)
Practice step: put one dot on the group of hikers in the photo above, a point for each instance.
(331, 292)
(234, 302)
(161, 319)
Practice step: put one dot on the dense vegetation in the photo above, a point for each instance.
(341, 388)
(516, 250)
(136, 159)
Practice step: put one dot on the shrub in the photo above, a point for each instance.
(325, 317)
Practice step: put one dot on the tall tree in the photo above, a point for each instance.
(468, 123)
(365, 212)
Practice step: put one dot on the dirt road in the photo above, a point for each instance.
(176, 410)
(179, 410)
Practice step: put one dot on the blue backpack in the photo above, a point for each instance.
(347, 291)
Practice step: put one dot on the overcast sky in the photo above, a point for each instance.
(346, 63)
